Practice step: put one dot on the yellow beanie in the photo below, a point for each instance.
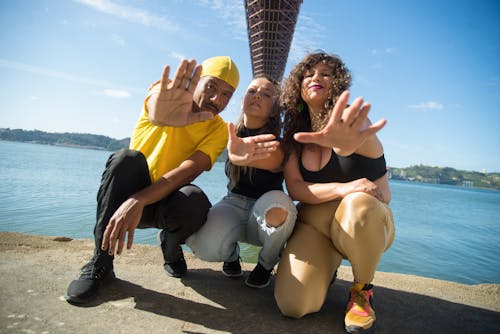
(221, 67)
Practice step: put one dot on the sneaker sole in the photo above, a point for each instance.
(175, 274)
(232, 275)
(76, 300)
(257, 286)
(359, 330)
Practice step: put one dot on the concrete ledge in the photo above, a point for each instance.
(36, 270)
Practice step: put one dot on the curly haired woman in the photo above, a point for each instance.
(339, 178)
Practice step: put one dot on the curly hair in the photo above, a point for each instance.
(272, 126)
(297, 118)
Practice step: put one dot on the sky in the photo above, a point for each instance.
(430, 67)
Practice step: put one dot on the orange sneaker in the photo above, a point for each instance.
(360, 316)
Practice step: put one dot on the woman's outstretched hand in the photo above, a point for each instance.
(344, 130)
(244, 151)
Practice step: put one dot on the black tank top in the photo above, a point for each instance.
(346, 169)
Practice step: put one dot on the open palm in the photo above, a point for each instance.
(244, 151)
(173, 104)
(345, 130)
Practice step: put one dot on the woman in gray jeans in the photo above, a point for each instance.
(255, 209)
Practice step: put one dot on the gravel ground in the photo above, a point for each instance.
(36, 270)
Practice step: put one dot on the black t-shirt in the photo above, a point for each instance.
(261, 180)
(346, 169)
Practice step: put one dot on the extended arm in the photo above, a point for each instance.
(261, 151)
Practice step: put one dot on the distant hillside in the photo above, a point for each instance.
(446, 175)
(84, 140)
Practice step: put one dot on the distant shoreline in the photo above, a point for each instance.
(417, 173)
(75, 146)
(79, 140)
(88, 147)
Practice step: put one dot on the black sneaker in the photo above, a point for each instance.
(173, 268)
(94, 274)
(259, 277)
(232, 269)
(177, 268)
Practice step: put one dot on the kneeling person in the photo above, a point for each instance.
(148, 185)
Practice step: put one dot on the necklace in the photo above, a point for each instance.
(319, 120)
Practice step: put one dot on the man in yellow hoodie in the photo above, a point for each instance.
(179, 135)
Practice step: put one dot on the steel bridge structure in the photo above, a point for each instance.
(270, 25)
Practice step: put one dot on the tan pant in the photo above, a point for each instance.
(358, 228)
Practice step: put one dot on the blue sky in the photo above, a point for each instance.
(431, 68)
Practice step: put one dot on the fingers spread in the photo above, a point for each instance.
(339, 107)
(231, 129)
(105, 239)
(263, 138)
(195, 78)
(186, 76)
(121, 242)
(350, 114)
(268, 144)
(130, 239)
(164, 78)
(305, 137)
(374, 128)
(112, 241)
(179, 73)
(361, 117)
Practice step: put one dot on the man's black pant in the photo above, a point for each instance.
(180, 214)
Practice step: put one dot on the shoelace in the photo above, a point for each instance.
(92, 270)
(359, 302)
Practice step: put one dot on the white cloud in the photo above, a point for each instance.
(232, 13)
(118, 40)
(429, 105)
(49, 73)
(176, 55)
(64, 76)
(116, 93)
(131, 14)
(377, 53)
(383, 51)
(302, 42)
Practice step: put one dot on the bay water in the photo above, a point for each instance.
(443, 232)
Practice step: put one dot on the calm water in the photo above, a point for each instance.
(442, 232)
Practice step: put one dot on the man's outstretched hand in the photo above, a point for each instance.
(345, 130)
(173, 104)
